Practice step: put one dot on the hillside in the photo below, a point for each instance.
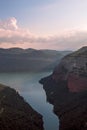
(66, 89)
(26, 60)
(15, 113)
(73, 68)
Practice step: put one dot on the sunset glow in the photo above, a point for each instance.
(51, 24)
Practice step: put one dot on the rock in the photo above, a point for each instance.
(73, 68)
(15, 113)
(68, 83)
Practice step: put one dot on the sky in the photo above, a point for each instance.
(43, 24)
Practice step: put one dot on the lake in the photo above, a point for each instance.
(28, 86)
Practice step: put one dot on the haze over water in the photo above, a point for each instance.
(28, 86)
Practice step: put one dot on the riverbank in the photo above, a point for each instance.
(28, 86)
(15, 113)
(66, 89)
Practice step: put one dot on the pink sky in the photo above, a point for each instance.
(11, 35)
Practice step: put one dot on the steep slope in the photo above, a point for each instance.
(73, 68)
(66, 88)
(15, 113)
(26, 60)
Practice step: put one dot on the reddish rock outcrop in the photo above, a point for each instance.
(68, 85)
(77, 83)
(73, 68)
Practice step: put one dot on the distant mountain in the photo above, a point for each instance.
(15, 113)
(66, 89)
(26, 60)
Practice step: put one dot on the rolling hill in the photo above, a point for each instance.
(29, 60)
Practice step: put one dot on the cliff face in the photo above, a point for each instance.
(73, 68)
(15, 113)
(66, 89)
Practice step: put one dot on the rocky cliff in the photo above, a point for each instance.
(66, 89)
(15, 113)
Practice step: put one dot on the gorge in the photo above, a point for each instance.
(15, 113)
(66, 89)
(29, 88)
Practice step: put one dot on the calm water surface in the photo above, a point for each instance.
(28, 86)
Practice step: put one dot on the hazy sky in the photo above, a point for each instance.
(52, 24)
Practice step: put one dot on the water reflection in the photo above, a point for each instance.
(28, 86)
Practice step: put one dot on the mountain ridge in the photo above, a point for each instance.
(28, 60)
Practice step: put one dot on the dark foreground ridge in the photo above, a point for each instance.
(66, 89)
(15, 113)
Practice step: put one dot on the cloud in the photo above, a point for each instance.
(13, 36)
(10, 32)
(9, 24)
